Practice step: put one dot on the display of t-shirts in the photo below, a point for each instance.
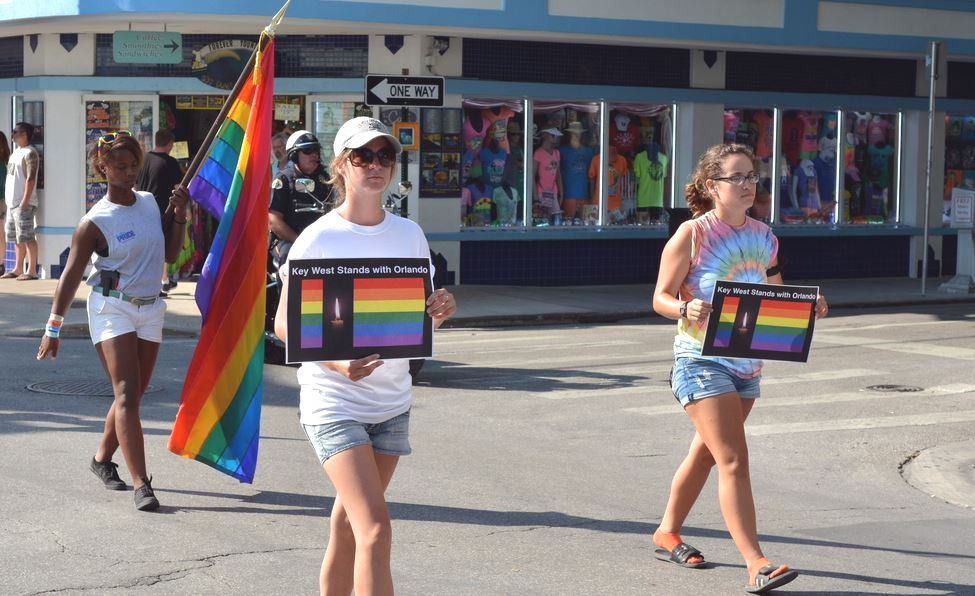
(514, 168)
(810, 135)
(826, 177)
(876, 200)
(627, 139)
(765, 125)
(617, 167)
(474, 137)
(470, 166)
(506, 201)
(807, 185)
(546, 170)
(880, 158)
(792, 128)
(965, 128)
(477, 203)
(650, 179)
(747, 133)
(879, 130)
(860, 127)
(575, 171)
(499, 125)
(730, 126)
(492, 165)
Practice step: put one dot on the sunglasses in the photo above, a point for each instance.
(308, 151)
(362, 157)
(108, 139)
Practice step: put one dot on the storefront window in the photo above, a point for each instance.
(869, 158)
(756, 129)
(959, 159)
(492, 164)
(638, 178)
(808, 166)
(32, 112)
(105, 115)
(565, 155)
(440, 149)
(327, 117)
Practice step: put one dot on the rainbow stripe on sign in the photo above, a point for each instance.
(312, 312)
(781, 326)
(726, 322)
(388, 311)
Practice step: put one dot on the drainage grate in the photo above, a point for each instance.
(86, 388)
(895, 388)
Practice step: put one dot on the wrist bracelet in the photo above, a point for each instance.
(56, 318)
(52, 331)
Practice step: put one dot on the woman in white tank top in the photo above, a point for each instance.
(127, 243)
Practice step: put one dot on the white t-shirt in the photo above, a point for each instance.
(136, 245)
(17, 167)
(327, 396)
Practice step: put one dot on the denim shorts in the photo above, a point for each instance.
(391, 437)
(696, 378)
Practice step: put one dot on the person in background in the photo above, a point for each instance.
(356, 413)
(159, 175)
(20, 194)
(286, 219)
(4, 156)
(126, 240)
(719, 243)
(279, 155)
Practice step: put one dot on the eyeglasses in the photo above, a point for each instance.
(739, 180)
(309, 151)
(108, 139)
(362, 157)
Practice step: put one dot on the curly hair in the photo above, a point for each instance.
(99, 154)
(709, 166)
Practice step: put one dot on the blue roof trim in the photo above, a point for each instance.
(282, 86)
(800, 20)
(610, 233)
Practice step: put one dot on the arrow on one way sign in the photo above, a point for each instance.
(382, 90)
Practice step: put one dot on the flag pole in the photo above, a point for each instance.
(197, 160)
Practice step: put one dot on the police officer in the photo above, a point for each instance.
(289, 212)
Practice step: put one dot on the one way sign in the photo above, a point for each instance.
(384, 90)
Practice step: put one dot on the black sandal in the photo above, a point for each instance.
(680, 555)
(765, 583)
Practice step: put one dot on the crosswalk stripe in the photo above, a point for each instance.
(917, 348)
(848, 396)
(861, 423)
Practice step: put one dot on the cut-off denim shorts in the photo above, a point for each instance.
(391, 437)
(695, 378)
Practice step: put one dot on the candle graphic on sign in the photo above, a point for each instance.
(743, 328)
(337, 322)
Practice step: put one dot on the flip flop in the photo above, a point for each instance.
(8, 275)
(764, 583)
(26, 277)
(680, 555)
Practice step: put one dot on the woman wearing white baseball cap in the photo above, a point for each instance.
(357, 413)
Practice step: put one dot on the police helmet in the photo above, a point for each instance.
(300, 140)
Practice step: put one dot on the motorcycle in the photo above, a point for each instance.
(277, 255)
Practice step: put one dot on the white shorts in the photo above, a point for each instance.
(110, 317)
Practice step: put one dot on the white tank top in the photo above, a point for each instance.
(136, 248)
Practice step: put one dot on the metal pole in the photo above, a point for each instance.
(933, 76)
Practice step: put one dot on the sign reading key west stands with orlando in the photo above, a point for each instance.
(764, 321)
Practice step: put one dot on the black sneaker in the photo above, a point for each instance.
(107, 472)
(145, 499)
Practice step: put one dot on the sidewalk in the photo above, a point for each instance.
(24, 304)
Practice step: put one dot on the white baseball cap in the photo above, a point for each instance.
(552, 131)
(359, 131)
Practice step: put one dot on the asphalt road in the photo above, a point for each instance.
(542, 459)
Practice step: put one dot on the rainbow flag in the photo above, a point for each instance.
(726, 322)
(312, 312)
(219, 414)
(781, 326)
(388, 311)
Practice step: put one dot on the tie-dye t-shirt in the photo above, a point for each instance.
(720, 251)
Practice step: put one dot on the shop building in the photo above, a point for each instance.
(568, 128)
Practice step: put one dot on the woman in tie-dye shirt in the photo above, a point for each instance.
(720, 243)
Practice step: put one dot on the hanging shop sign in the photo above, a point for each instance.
(147, 47)
(220, 63)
